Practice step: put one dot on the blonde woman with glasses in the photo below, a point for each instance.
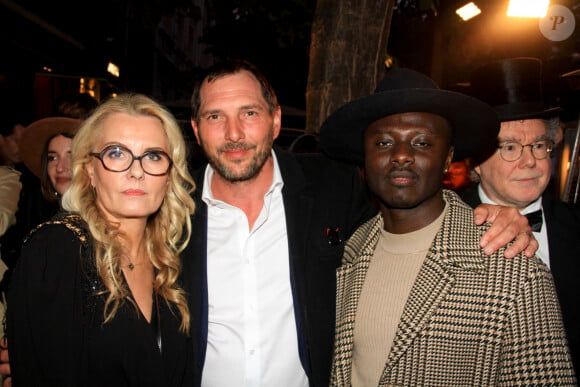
(96, 297)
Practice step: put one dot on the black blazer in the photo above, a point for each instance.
(563, 222)
(318, 194)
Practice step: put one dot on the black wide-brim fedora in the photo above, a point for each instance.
(475, 124)
(513, 87)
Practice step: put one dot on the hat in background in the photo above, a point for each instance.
(475, 124)
(35, 136)
(513, 87)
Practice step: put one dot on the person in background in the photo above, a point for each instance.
(458, 176)
(33, 165)
(518, 173)
(45, 150)
(95, 299)
(418, 302)
(271, 226)
(10, 184)
(38, 201)
(10, 187)
(10, 190)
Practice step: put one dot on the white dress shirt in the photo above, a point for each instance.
(542, 236)
(252, 337)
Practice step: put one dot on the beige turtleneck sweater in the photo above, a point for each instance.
(390, 277)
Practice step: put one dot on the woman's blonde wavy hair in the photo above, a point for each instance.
(168, 230)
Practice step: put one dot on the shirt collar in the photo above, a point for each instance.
(533, 206)
(207, 195)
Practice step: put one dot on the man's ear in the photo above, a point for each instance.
(195, 131)
(449, 158)
(277, 121)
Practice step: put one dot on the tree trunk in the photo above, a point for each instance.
(347, 54)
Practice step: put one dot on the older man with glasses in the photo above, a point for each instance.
(518, 173)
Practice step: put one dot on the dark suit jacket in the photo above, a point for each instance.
(318, 194)
(563, 222)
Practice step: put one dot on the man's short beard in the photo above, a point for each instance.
(252, 170)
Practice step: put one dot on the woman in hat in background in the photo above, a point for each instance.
(38, 172)
(45, 150)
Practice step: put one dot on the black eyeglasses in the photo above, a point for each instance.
(512, 151)
(117, 158)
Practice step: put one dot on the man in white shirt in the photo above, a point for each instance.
(268, 235)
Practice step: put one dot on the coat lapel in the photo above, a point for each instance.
(297, 206)
(432, 285)
(297, 209)
(194, 261)
(350, 279)
(436, 277)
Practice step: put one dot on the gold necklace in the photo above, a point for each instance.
(132, 265)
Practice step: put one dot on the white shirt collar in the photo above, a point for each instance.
(207, 194)
(533, 206)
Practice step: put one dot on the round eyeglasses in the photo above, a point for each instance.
(117, 158)
(512, 151)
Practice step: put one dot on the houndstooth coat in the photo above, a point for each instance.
(470, 320)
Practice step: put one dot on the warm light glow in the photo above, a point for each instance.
(468, 11)
(113, 69)
(47, 69)
(528, 8)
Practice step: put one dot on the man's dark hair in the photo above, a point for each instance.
(229, 67)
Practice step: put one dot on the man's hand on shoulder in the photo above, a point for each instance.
(507, 225)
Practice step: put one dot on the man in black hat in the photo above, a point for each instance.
(518, 173)
(418, 302)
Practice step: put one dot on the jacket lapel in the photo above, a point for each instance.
(194, 260)
(350, 279)
(436, 276)
(297, 206)
(297, 209)
(433, 283)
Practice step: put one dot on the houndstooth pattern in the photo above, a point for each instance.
(470, 320)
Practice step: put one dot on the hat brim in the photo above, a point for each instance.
(475, 124)
(35, 136)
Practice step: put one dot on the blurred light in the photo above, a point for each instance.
(47, 69)
(468, 11)
(113, 69)
(528, 8)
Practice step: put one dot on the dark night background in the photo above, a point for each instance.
(160, 46)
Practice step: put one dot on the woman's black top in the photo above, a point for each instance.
(55, 325)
